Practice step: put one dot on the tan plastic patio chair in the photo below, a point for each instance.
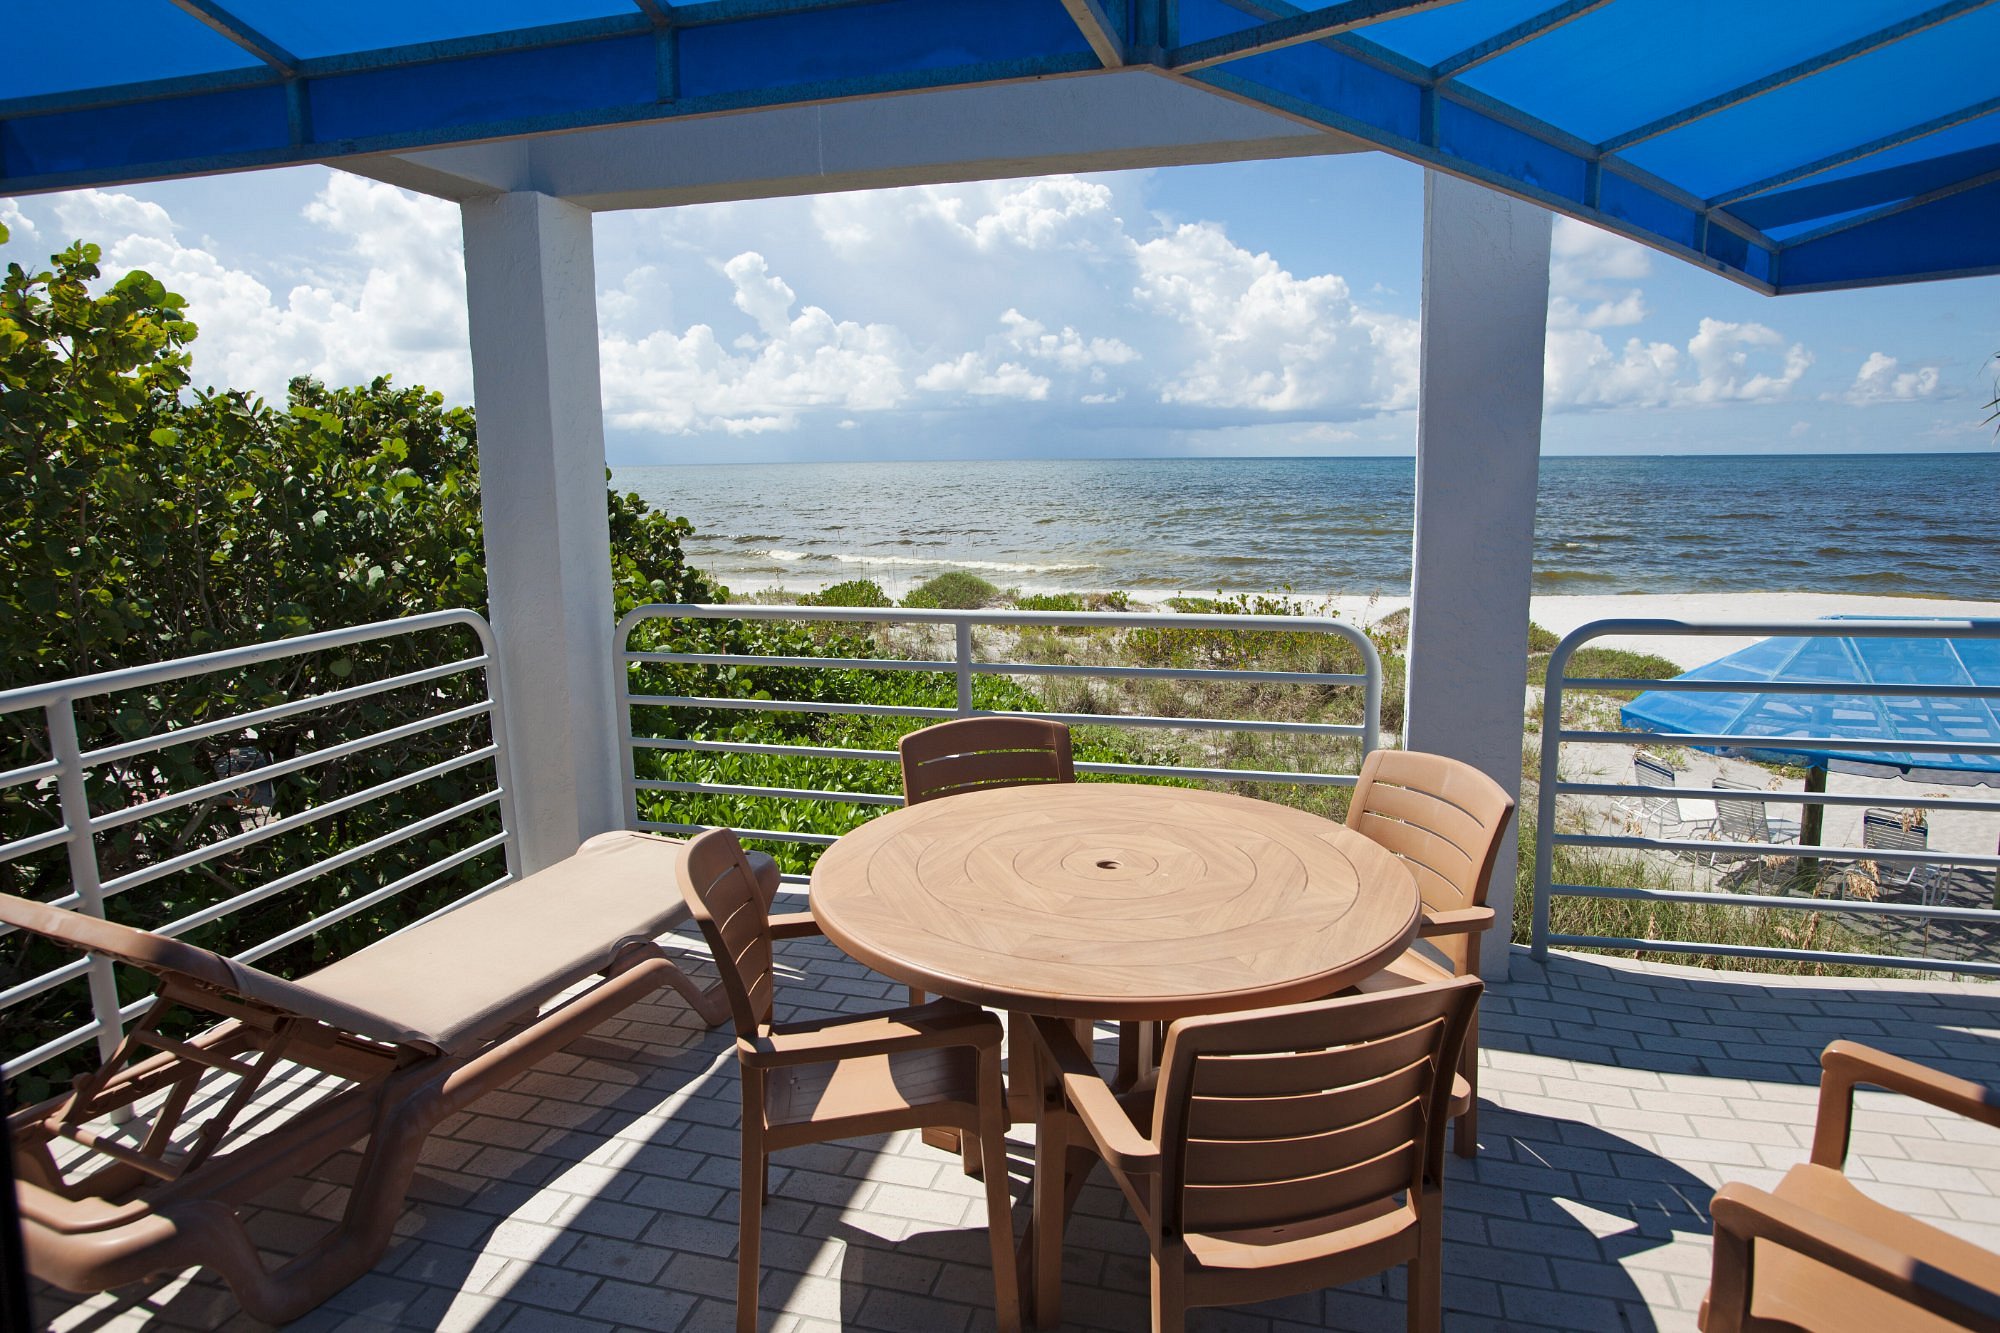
(1281, 1151)
(407, 1031)
(934, 1064)
(1445, 819)
(973, 753)
(1816, 1253)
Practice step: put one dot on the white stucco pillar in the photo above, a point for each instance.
(532, 300)
(1479, 434)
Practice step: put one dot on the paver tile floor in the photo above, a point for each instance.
(599, 1190)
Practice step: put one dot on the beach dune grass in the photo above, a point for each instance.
(953, 590)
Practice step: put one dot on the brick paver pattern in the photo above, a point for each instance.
(599, 1191)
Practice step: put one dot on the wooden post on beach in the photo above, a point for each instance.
(1479, 439)
(1812, 824)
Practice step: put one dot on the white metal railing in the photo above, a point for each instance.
(964, 667)
(68, 771)
(1553, 787)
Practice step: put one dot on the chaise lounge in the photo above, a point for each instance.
(400, 1035)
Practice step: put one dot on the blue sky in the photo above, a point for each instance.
(1266, 308)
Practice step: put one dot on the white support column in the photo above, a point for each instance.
(1479, 436)
(531, 295)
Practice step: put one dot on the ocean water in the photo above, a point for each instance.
(1910, 524)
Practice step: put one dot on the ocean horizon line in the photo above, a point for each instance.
(1709, 455)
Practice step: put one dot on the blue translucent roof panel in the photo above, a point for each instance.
(1792, 145)
(1665, 55)
(1791, 727)
(1915, 81)
(56, 49)
(340, 27)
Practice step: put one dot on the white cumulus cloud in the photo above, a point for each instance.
(1882, 379)
(1259, 338)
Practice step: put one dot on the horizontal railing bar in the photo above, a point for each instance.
(47, 768)
(505, 879)
(1862, 746)
(766, 835)
(1070, 719)
(70, 1040)
(1220, 774)
(224, 659)
(40, 842)
(368, 900)
(1167, 673)
(781, 793)
(810, 663)
(1006, 668)
(1864, 907)
(49, 980)
(305, 874)
(788, 706)
(1813, 850)
(309, 815)
(1782, 797)
(1877, 689)
(160, 805)
(752, 747)
(890, 756)
(1764, 951)
(900, 615)
(166, 740)
(1922, 628)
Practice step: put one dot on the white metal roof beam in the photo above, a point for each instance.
(1513, 38)
(1098, 31)
(1310, 26)
(242, 34)
(1805, 69)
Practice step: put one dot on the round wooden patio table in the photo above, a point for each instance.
(1114, 901)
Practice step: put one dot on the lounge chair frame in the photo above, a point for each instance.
(102, 1207)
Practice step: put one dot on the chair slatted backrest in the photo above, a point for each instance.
(974, 753)
(1650, 772)
(1282, 1116)
(1889, 831)
(721, 892)
(1741, 821)
(1442, 816)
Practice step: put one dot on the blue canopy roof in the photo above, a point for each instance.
(1790, 144)
(1769, 716)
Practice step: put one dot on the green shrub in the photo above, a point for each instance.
(1542, 640)
(1609, 663)
(1049, 601)
(1109, 601)
(953, 590)
(854, 592)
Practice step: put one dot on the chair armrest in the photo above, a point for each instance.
(1458, 921)
(1118, 1140)
(1745, 1214)
(794, 925)
(1844, 1065)
(933, 1026)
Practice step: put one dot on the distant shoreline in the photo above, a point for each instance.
(1560, 613)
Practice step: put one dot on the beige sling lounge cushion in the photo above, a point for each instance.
(459, 978)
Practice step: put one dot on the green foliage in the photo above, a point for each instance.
(143, 520)
(854, 592)
(1049, 601)
(1542, 640)
(953, 590)
(1608, 664)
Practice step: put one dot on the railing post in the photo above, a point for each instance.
(964, 660)
(84, 875)
(1545, 795)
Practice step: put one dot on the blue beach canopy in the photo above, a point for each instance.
(1768, 716)
(1792, 145)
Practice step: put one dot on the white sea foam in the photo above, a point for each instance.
(997, 566)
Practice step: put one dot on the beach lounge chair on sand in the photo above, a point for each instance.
(1885, 830)
(1690, 816)
(402, 1034)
